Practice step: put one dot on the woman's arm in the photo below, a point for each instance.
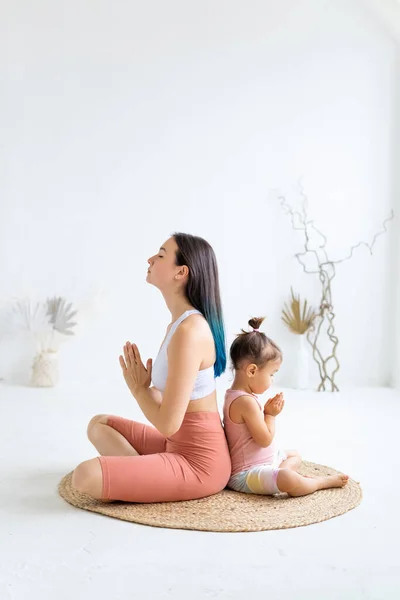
(184, 360)
(156, 394)
(138, 380)
(149, 402)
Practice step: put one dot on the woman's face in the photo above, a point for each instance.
(163, 271)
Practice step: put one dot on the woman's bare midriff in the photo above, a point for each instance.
(206, 404)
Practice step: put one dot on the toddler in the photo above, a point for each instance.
(258, 465)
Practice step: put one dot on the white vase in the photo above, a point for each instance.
(45, 369)
(302, 363)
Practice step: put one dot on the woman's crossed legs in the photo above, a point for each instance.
(114, 437)
(135, 466)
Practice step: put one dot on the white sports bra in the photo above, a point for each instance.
(205, 380)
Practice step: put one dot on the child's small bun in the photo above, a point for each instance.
(254, 346)
(255, 322)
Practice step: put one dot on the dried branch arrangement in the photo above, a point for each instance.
(324, 320)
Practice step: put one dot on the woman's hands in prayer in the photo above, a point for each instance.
(136, 375)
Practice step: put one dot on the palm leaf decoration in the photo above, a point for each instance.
(27, 316)
(298, 319)
(60, 315)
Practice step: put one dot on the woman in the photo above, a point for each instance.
(185, 455)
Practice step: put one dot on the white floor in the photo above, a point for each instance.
(50, 550)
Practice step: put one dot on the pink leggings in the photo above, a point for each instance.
(193, 463)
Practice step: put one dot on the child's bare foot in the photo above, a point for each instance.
(296, 485)
(331, 481)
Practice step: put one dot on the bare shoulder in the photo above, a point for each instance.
(195, 326)
(242, 406)
(192, 332)
(194, 339)
(246, 403)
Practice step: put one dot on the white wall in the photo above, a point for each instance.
(395, 298)
(124, 121)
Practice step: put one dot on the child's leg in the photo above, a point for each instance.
(296, 485)
(293, 460)
(260, 479)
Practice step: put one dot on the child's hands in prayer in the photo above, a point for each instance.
(274, 405)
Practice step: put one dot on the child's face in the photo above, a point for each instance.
(263, 378)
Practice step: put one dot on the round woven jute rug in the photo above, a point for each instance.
(228, 510)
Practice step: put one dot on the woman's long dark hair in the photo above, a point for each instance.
(202, 288)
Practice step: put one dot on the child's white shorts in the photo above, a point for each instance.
(260, 479)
